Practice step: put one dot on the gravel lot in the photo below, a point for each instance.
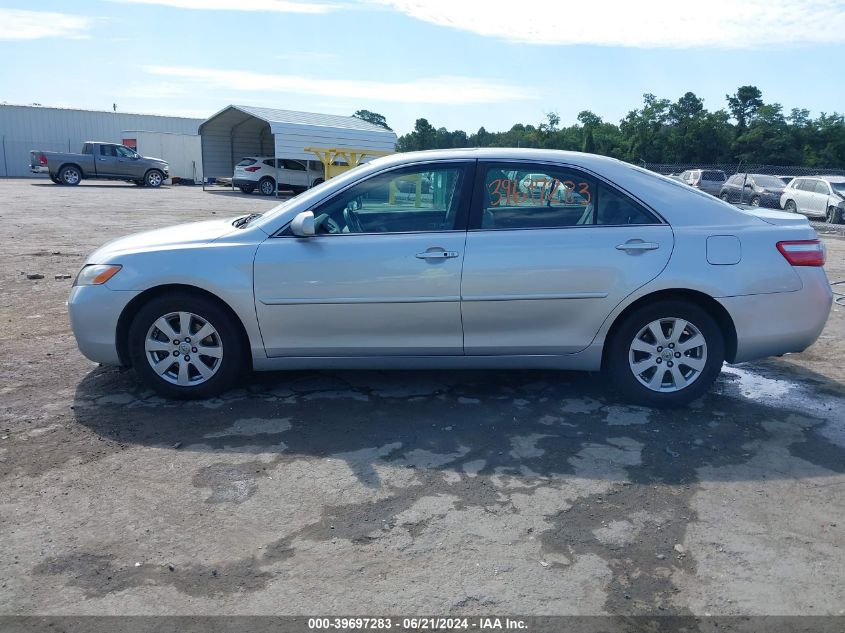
(394, 492)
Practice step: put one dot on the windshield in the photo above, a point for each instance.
(768, 181)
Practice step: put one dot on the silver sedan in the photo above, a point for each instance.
(442, 260)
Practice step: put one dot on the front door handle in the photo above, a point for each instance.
(638, 246)
(439, 254)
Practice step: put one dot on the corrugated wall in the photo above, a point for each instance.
(24, 128)
(291, 139)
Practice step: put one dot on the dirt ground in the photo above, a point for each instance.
(394, 492)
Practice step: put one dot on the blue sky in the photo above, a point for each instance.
(461, 64)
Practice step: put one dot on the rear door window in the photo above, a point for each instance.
(528, 196)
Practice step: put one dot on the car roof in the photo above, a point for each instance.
(832, 178)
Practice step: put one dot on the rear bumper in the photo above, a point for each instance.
(782, 322)
(39, 169)
(94, 312)
(243, 182)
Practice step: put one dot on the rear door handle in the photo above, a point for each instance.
(437, 255)
(636, 247)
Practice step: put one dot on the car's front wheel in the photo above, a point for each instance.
(755, 201)
(790, 206)
(834, 215)
(724, 197)
(185, 345)
(667, 353)
(154, 178)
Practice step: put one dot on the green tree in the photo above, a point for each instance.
(743, 104)
(372, 117)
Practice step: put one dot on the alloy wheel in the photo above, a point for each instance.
(668, 354)
(183, 348)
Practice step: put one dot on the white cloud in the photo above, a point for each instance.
(640, 23)
(443, 90)
(281, 6)
(19, 24)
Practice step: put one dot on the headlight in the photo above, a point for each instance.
(96, 274)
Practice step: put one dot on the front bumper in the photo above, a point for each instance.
(94, 312)
(781, 322)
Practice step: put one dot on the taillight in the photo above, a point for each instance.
(42, 160)
(252, 169)
(803, 252)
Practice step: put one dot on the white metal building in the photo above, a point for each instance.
(182, 152)
(238, 131)
(24, 128)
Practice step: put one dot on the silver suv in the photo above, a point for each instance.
(707, 180)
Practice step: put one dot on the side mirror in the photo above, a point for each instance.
(136, 156)
(303, 225)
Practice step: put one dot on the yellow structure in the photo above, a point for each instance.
(329, 156)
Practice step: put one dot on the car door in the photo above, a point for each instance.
(382, 275)
(821, 195)
(106, 161)
(541, 273)
(293, 173)
(127, 163)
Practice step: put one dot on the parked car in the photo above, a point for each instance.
(786, 179)
(648, 280)
(819, 196)
(260, 172)
(104, 161)
(708, 180)
(758, 190)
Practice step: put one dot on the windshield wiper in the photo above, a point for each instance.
(242, 222)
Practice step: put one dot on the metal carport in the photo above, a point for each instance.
(237, 131)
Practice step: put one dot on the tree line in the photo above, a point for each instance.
(747, 130)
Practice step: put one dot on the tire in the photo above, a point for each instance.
(267, 187)
(724, 197)
(834, 216)
(153, 178)
(755, 201)
(246, 188)
(630, 341)
(70, 175)
(790, 206)
(159, 323)
(317, 181)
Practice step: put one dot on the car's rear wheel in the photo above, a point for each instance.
(246, 188)
(724, 197)
(790, 206)
(666, 353)
(70, 175)
(755, 201)
(154, 178)
(267, 186)
(186, 346)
